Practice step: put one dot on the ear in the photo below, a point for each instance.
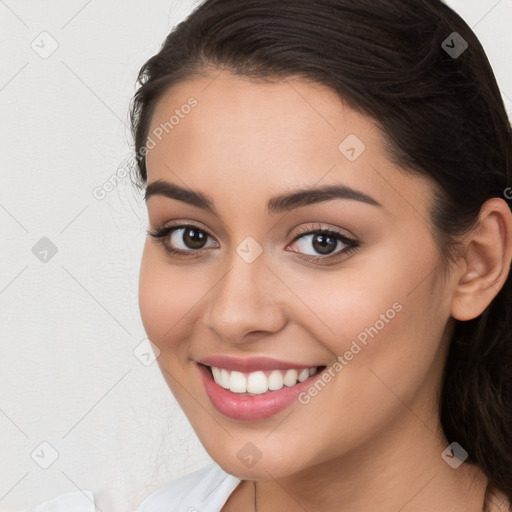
(486, 260)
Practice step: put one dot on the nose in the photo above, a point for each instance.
(247, 302)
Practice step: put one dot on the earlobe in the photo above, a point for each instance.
(486, 261)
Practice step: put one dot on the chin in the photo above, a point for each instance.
(261, 469)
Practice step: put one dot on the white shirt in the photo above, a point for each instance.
(204, 490)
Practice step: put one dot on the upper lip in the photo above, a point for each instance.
(251, 364)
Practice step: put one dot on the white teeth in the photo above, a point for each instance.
(216, 374)
(237, 382)
(224, 378)
(303, 375)
(259, 382)
(290, 378)
(275, 380)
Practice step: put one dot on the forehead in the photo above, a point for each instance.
(231, 109)
(260, 136)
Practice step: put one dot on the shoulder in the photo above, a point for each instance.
(206, 489)
(77, 501)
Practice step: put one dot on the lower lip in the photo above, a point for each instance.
(246, 407)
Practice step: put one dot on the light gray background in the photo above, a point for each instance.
(69, 326)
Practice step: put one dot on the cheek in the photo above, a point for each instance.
(340, 306)
(389, 306)
(393, 335)
(167, 295)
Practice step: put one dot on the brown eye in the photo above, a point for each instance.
(182, 239)
(193, 238)
(324, 242)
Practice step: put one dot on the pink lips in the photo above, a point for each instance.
(246, 407)
(252, 364)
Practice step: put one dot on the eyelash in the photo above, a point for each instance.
(160, 234)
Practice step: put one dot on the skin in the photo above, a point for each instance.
(371, 439)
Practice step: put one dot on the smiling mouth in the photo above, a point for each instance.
(261, 381)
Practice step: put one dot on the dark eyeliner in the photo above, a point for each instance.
(159, 235)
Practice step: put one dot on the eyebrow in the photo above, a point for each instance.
(277, 204)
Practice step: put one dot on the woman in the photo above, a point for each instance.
(326, 275)
(327, 269)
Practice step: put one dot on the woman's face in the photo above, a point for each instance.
(369, 306)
